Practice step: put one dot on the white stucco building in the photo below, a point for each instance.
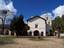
(39, 25)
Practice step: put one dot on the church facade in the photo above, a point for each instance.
(39, 25)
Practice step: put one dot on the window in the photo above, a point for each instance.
(36, 26)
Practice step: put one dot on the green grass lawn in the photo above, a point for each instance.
(6, 39)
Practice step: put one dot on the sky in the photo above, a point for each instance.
(30, 8)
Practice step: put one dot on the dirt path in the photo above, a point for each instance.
(26, 43)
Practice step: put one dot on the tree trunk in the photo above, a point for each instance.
(58, 34)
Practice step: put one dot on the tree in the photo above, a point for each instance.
(18, 25)
(57, 25)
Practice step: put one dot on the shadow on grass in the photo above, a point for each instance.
(6, 40)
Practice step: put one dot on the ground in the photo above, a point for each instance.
(27, 43)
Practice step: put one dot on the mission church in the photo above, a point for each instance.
(39, 25)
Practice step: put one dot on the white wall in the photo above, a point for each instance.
(41, 25)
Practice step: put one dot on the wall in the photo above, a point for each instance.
(41, 25)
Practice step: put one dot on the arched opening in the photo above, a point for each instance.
(12, 33)
(7, 32)
(1, 32)
(30, 33)
(41, 33)
(36, 33)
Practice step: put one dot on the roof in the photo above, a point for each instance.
(35, 17)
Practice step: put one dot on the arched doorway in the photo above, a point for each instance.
(36, 33)
(41, 33)
(7, 32)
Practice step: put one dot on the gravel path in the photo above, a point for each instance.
(26, 43)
